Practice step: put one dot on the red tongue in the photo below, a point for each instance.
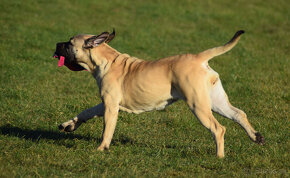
(61, 61)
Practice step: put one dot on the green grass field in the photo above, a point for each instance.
(36, 96)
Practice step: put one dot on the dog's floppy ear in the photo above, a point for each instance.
(111, 36)
(96, 40)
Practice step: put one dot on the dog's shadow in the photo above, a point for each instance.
(58, 137)
(66, 139)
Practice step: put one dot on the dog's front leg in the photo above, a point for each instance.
(74, 123)
(110, 121)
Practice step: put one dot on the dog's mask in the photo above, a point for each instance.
(66, 52)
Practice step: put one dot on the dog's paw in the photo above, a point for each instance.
(103, 147)
(100, 148)
(68, 128)
(259, 139)
(70, 125)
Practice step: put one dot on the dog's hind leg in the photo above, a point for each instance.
(221, 105)
(200, 106)
(74, 123)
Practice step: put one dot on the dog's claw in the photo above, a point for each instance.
(68, 128)
(60, 127)
(103, 148)
(260, 139)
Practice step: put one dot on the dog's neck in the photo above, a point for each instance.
(102, 57)
(107, 52)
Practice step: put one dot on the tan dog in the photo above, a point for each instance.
(133, 85)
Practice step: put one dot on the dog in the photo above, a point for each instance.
(133, 85)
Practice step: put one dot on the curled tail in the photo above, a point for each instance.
(210, 53)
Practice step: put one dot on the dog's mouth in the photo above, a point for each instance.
(62, 61)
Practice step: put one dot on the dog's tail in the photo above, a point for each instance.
(210, 53)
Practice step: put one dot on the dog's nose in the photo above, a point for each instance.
(58, 45)
(59, 50)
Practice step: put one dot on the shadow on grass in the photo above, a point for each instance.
(39, 134)
(36, 135)
(66, 139)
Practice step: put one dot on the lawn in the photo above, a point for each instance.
(36, 96)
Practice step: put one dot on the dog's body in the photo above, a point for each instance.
(133, 85)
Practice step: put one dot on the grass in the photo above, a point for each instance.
(36, 96)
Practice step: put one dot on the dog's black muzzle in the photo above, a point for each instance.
(65, 49)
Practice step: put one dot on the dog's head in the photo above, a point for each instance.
(75, 53)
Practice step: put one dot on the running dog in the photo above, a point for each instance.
(133, 85)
